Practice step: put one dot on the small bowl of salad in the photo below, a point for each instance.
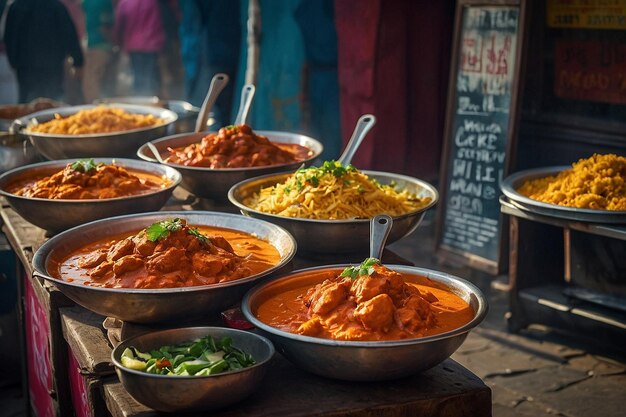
(193, 368)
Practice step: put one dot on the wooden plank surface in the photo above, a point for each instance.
(446, 390)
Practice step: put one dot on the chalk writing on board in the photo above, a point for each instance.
(479, 134)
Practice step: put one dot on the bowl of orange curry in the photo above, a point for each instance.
(163, 266)
(115, 129)
(212, 162)
(368, 322)
(58, 195)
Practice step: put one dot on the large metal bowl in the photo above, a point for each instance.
(194, 393)
(159, 305)
(215, 183)
(365, 360)
(336, 236)
(119, 144)
(57, 215)
(15, 151)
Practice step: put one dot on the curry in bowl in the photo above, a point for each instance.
(369, 302)
(85, 179)
(167, 254)
(237, 146)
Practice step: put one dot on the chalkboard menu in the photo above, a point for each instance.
(480, 126)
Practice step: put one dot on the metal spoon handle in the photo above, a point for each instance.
(155, 152)
(247, 93)
(380, 226)
(218, 83)
(363, 125)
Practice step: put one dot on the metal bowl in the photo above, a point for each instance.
(194, 393)
(336, 236)
(57, 215)
(15, 151)
(215, 183)
(511, 183)
(365, 360)
(119, 144)
(167, 304)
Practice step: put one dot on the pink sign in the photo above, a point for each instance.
(38, 353)
(78, 387)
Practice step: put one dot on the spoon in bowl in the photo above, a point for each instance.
(380, 226)
(218, 83)
(155, 152)
(363, 125)
(247, 93)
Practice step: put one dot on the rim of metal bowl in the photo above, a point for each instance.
(169, 116)
(127, 342)
(479, 314)
(141, 155)
(244, 208)
(39, 261)
(125, 162)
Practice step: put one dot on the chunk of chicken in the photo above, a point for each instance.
(126, 264)
(312, 327)
(92, 259)
(101, 270)
(206, 264)
(367, 287)
(328, 297)
(121, 248)
(167, 261)
(377, 313)
(144, 246)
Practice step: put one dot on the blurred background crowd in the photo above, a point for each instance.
(317, 64)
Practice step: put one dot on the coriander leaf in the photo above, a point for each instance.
(84, 165)
(160, 230)
(195, 232)
(366, 268)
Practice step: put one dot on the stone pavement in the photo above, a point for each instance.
(538, 372)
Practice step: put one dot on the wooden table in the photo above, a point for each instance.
(446, 390)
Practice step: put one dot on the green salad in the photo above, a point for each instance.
(200, 357)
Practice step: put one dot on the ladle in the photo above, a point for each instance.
(363, 125)
(155, 152)
(218, 83)
(380, 226)
(247, 93)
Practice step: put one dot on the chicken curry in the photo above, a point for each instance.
(84, 179)
(167, 254)
(237, 147)
(367, 303)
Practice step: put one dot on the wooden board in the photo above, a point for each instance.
(480, 131)
(446, 390)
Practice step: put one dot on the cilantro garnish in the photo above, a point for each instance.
(160, 230)
(84, 165)
(366, 268)
(195, 232)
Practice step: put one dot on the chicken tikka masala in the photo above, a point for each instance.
(85, 179)
(369, 303)
(168, 254)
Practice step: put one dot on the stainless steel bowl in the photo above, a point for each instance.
(57, 215)
(194, 393)
(167, 304)
(15, 152)
(119, 144)
(336, 236)
(365, 361)
(215, 183)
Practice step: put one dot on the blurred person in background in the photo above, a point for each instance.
(170, 63)
(39, 36)
(139, 31)
(8, 83)
(210, 37)
(100, 58)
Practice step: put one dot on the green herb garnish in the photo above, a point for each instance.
(195, 232)
(160, 230)
(84, 165)
(366, 268)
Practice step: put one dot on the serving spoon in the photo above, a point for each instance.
(380, 226)
(247, 94)
(363, 125)
(218, 82)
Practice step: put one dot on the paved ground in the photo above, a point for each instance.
(536, 373)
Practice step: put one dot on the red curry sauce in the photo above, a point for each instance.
(383, 306)
(86, 180)
(237, 147)
(185, 257)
